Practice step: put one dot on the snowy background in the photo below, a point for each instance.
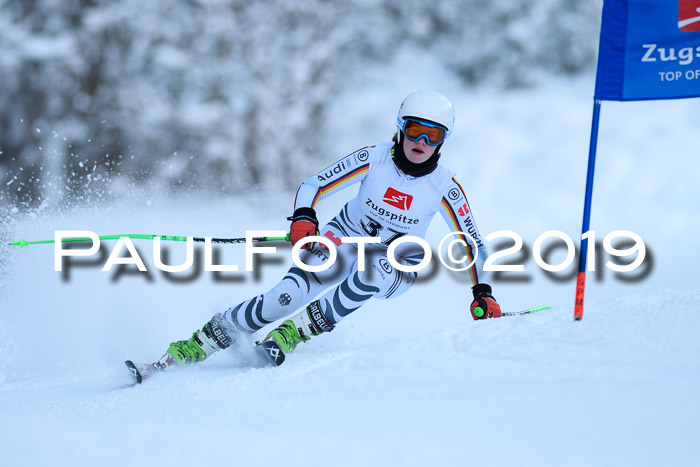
(412, 381)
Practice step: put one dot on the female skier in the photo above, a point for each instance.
(401, 188)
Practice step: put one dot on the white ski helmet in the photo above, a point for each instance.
(427, 105)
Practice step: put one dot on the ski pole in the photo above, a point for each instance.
(174, 238)
(528, 312)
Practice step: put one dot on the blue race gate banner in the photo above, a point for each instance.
(649, 49)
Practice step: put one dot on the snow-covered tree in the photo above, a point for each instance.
(99, 98)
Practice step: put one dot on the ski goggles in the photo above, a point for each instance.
(414, 130)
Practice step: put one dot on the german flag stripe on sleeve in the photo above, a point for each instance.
(324, 190)
(461, 189)
(455, 223)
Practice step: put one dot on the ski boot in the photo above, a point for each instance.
(201, 345)
(211, 338)
(285, 337)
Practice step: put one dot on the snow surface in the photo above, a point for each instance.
(412, 381)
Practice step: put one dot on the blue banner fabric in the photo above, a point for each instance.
(649, 49)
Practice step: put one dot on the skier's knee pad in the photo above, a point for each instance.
(380, 274)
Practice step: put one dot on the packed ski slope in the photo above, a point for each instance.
(412, 381)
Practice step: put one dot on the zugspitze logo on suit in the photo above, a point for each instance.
(397, 199)
(689, 15)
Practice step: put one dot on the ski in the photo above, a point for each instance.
(527, 312)
(143, 371)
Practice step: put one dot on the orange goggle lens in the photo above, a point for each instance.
(415, 130)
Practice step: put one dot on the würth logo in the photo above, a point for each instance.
(689, 15)
(464, 210)
(398, 199)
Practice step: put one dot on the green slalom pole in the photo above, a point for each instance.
(528, 312)
(174, 238)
